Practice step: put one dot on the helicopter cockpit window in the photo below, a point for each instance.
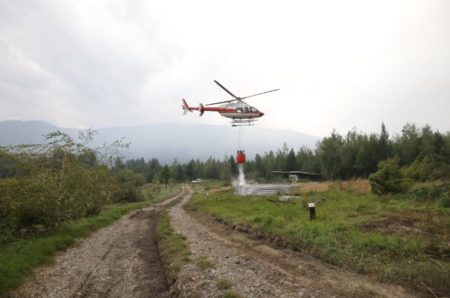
(239, 110)
(253, 110)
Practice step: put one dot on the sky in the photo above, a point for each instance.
(340, 64)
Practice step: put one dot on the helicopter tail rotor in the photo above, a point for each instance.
(185, 107)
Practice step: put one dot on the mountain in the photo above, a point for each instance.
(17, 132)
(169, 141)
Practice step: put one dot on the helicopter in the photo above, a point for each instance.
(241, 113)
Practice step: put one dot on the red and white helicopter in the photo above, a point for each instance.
(240, 112)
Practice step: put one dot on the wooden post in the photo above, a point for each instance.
(312, 211)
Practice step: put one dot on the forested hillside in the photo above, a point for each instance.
(422, 153)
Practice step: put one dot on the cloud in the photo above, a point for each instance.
(339, 64)
(91, 59)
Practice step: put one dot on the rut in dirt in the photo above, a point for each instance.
(121, 260)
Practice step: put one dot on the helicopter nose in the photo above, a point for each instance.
(261, 114)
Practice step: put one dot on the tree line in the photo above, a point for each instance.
(424, 151)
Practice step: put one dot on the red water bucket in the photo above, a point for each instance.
(240, 157)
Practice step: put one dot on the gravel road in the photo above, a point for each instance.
(120, 260)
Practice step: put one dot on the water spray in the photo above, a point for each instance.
(240, 160)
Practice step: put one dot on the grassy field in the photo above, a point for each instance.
(18, 258)
(395, 238)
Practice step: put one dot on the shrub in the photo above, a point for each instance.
(46, 199)
(388, 178)
(128, 186)
(421, 169)
(431, 191)
(50, 184)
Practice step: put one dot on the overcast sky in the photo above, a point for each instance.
(339, 64)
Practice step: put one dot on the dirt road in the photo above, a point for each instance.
(254, 269)
(121, 260)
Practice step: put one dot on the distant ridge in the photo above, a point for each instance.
(169, 141)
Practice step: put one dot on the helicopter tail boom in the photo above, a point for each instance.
(202, 109)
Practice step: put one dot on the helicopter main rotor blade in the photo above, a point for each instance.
(219, 102)
(259, 93)
(220, 85)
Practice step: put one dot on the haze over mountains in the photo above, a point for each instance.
(169, 141)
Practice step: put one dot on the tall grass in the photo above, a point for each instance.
(355, 185)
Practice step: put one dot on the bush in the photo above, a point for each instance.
(421, 169)
(46, 199)
(128, 186)
(388, 178)
(50, 184)
(431, 191)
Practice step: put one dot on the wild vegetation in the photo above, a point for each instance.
(43, 186)
(400, 238)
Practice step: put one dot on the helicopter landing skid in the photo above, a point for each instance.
(247, 124)
(243, 122)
